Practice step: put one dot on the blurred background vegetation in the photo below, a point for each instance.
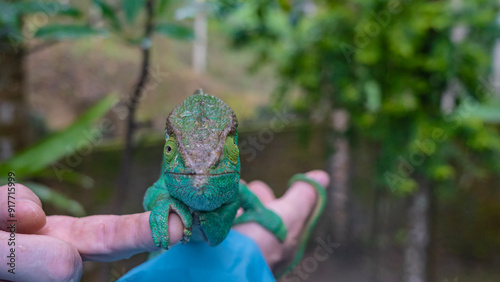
(397, 100)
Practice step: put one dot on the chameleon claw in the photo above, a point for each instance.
(187, 236)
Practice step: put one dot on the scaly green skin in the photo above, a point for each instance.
(200, 177)
(201, 173)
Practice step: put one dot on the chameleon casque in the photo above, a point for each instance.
(200, 179)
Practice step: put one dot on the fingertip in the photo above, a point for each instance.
(175, 229)
(319, 176)
(302, 192)
(24, 192)
(30, 216)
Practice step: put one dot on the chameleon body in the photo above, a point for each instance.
(200, 179)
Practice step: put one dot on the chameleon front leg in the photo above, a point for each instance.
(160, 203)
(217, 223)
(255, 211)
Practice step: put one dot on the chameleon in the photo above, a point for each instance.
(200, 178)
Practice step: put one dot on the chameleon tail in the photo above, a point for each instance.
(312, 221)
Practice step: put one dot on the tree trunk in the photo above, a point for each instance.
(339, 173)
(15, 132)
(201, 37)
(432, 253)
(375, 235)
(415, 253)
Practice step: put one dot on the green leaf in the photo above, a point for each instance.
(57, 145)
(72, 177)
(443, 172)
(49, 8)
(162, 5)
(175, 31)
(70, 12)
(285, 5)
(65, 32)
(61, 201)
(8, 14)
(132, 8)
(109, 13)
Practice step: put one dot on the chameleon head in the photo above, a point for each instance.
(201, 162)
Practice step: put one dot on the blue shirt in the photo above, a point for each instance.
(237, 258)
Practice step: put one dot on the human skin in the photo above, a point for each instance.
(52, 248)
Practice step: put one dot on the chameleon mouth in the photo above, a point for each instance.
(202, 191)
(206, 174)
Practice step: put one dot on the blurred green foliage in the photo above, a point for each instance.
(13, 13)
(21, 21)
(122, 18)
(53, 147)
(39, 159)
(390, 63)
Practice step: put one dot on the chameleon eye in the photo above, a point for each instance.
(231, 149)
(170, 148)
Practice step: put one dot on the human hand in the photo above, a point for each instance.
(52, 248)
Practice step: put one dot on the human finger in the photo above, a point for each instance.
(262, 191)
(21, 207)
(38, 258)
(110, 237)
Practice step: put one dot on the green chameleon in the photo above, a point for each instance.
(200, 179)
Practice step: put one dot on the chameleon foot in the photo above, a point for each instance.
(255, 211)
(267, 218)
(158, 221)
(216, 224)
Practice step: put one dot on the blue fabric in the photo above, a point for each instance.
(237, 258)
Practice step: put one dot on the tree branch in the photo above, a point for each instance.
(126, 164)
